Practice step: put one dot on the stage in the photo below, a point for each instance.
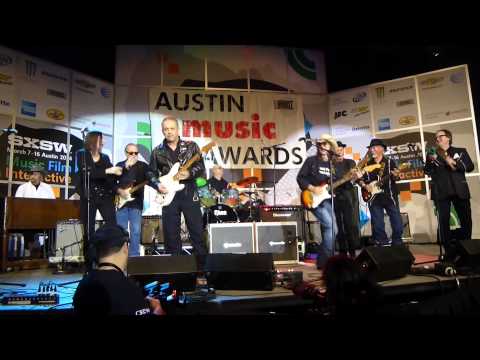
(280, 300)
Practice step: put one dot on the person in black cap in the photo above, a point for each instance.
(106, 290)
(344, 203)
(385, 197)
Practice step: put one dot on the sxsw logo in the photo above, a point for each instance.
(29, 108)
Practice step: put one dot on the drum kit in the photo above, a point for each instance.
(238, 203)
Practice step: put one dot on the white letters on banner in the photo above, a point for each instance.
(244, 126)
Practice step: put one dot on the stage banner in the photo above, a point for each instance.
(444, 96)
(7, 80)
(244, 126)
(43, 90)
(92, 104)
(394, 105)
(38, 145)
(349, 113)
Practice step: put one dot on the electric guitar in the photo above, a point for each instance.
(120, 201)
(311, 200)
(376, 185)
(171, 180)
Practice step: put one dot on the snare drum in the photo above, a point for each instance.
(230, 197)
(206, 197)
(219, 214)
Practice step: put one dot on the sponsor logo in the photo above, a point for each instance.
(407, 120)
(339, 114)
(448, 113)
(405, 102)
(56, 93)
(384, 124)
(5, 60)
(54, 76)
(29, 108)
(30, 69)
(403, 88)
(458, 77)
(283, 104)
(55, 114)
(361, 128)
(5, 79)
(4, 102)
(359, 97)
(380, 91)
(106, 92)
(85, 84)
(359, 111)
(432, 82)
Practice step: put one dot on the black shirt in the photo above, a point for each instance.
(342, 168)
(109, 292)
(131, 177)
(218, 185)
(101, 184)
(314, 172)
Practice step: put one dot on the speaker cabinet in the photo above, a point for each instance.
(279, 239)
(469, 253)
(386, 263)
(180, 271)
(233, 238)
(240, 271)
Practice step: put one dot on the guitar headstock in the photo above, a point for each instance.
(208, 147)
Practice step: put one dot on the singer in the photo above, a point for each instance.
(95, 184)
(314, 173)
(447, 166)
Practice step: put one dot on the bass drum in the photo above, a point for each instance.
(219, 214)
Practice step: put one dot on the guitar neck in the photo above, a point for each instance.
(138, 186)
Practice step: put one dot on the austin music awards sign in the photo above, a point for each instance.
(244, 126)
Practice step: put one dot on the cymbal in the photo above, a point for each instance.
(247, 181)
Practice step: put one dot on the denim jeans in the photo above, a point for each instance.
(133, 216)
(323, 213)
(381, 202)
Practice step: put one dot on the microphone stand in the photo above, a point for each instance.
(86, 191)
(61, 269)
(332, 210)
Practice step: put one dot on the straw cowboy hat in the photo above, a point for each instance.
(329, 139)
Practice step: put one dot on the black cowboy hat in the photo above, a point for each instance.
(375, 142)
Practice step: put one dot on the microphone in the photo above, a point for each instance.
(9, 130)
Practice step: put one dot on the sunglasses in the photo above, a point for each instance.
(132, 153)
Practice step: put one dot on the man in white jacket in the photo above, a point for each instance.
(35, 188)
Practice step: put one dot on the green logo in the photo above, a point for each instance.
(301, 64)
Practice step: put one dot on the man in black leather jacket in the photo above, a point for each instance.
(447, 166)
(164, 156)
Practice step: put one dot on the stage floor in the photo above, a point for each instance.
(222, 299)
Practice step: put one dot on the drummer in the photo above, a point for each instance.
(217, 182)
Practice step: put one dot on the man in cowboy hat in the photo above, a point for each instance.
(315, 172)
(35, 188)
(386, 199)
(345, 203)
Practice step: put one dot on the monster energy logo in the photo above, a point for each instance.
(30, 68)
(380, 92)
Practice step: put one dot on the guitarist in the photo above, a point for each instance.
(164, 156)
(134, 172)
(314, 173)
(344, 203)
(447, 166)
(387, 199)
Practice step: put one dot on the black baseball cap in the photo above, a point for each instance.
(110, 236)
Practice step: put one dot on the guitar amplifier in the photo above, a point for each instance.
(152, 229)
(282, 213)
(233, 238)
(69, 238)
(278, 238)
